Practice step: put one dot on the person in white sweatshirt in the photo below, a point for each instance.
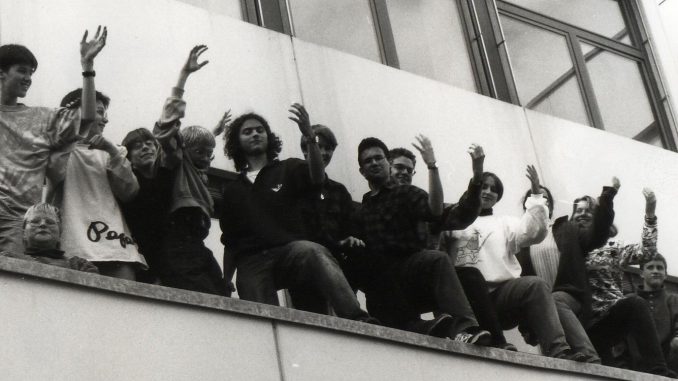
(490, 245)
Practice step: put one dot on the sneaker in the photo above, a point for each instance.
(480, 337)
(571, 355)
(438, 327)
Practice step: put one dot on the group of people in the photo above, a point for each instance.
(141, 211)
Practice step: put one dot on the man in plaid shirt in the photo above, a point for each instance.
(407, 279)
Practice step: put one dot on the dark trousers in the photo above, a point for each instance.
(425, 281)
(528, 301)
(478, 294)
(629, 316)
(297, 266)
(189, 265)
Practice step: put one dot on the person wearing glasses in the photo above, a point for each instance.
(406, 279)
(41, 238)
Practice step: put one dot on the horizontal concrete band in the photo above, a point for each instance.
(94, 282)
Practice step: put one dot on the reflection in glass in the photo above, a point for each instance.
(345, 25)
(599, 16)
(620, 92)
(430, 40)
(543, 71)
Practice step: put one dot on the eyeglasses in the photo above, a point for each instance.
(403, 168)
(40, 221)
(202, 152)
(375, 158)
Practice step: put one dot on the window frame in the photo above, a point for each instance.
(498, 69)
(489, 56)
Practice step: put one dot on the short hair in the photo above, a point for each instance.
(657, 257)
(232, 147)
(77, 95)
(322, 131)
(13, 54)
(197, 135)
(549, 196)
(593, 203)
(43, 207)
(401, 151)
(138, 135)
(497, 183)
(371, 142)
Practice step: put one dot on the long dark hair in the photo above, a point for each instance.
(234, 151)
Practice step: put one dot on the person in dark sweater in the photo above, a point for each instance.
(147, 213)
(262, 224)
(568, 241)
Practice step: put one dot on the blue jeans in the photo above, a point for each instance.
(568, 311)
(298, 265)
(528, 301)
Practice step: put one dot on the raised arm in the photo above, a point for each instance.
(462, 214)
(435, 187)
(603, 217)
(533, 226)
(166, 130)
(315, 161)
(88, 51)
(647, 248)
(191, 66)
(222, 124)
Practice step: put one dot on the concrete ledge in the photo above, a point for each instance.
(92, 282)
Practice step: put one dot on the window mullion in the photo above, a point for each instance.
(584, 80)
(385, 33)
(473, 35)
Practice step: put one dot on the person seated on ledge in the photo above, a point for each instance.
(490, 245)
(41, 239)
(406, 279)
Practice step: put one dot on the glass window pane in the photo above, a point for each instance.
(430, 40)
(543, 71)
(345, 25)
(620, 92)
(599, 16)
(229, 8)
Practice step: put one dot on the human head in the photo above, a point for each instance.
(582, 211)
(653, 272)
(547, 194)
(492, 190)
(17, 65)
(102, 102)
(13, 54)
(373, 160)
(199, 143)
(402, 163)
(327, 142)
(142, 148)
(42, 227)
(238, 147)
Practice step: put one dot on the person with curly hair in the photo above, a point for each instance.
(262, 221)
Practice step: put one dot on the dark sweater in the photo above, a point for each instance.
(574, 245)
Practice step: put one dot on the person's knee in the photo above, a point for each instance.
(314, 255)
(536, 287)
(636, 305)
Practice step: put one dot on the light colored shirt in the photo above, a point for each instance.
(93, 226)
(491, 242)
